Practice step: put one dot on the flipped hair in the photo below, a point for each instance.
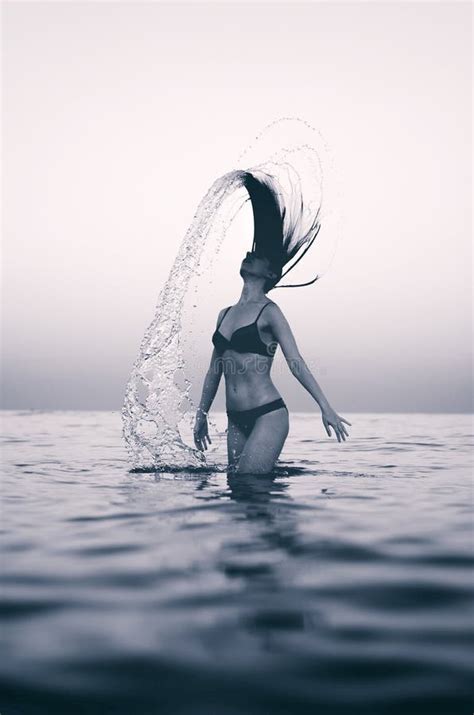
(282, 233)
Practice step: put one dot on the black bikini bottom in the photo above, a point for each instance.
(245, 419)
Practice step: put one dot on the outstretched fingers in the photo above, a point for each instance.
(339, 430)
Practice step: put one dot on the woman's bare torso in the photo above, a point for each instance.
(247, 375)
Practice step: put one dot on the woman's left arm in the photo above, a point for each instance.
(282, 331)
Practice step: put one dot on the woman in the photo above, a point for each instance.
(246, 338)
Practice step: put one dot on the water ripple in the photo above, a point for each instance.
(339, 584)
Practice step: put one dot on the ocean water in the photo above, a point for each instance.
(341, 584)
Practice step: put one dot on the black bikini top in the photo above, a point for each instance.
(244, 340)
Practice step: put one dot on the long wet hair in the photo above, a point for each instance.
(281, 232)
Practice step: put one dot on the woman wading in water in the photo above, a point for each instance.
(246, 338)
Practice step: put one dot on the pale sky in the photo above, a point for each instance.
(117, 118)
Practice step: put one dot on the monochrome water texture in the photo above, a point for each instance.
(342, 584)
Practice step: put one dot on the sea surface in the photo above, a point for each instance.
(341, 584)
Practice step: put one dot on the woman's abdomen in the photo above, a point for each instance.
(248, 382)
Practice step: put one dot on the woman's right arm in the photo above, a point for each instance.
(211, 382)
(209, 389)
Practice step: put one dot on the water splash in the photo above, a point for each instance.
(154, 398)
(157, 394)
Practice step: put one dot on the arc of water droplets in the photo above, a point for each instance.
(151, 409)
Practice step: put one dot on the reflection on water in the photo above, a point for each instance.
(267, 504)
(339, 584)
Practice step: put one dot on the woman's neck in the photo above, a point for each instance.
(252, 292)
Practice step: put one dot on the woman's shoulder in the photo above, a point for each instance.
(274, 315)
(222, 312)
(273, 308)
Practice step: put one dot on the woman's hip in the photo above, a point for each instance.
(258, 410)
(245, 420)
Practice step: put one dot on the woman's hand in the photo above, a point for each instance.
(331, 419)
(201, 431)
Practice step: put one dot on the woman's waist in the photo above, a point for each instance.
(261, 408)
(242, 396)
